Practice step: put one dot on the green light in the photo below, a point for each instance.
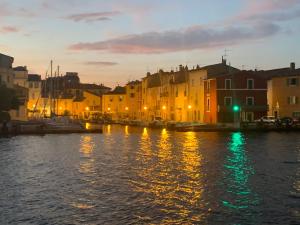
(236, 108)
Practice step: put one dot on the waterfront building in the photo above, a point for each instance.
(134, 99)
(180, 110)
(154, 96)
(284, 92)
(20, 76)
(34, 94)
(235, 96)
(6, 71)
(114, 104)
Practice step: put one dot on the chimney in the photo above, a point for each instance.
(292, 66)
(223, 61)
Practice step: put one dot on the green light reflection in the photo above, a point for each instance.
(237, 171)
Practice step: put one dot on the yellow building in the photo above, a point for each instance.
(181, 107)
(196, 94)
(115, 105)
(284, 96)
(134, 100)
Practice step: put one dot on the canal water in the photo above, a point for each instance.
(140, 176)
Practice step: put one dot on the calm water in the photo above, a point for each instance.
(142, 176)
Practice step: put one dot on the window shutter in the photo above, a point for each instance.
(288, 82)
(297, 81)
(297, 100)
(289, 100)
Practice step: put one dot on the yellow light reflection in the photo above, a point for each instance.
(126, 130)
(172, 178)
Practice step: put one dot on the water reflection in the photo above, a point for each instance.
(175, 184)
(88, 172)
(237, 171)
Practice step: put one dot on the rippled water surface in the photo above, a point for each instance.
(140, 176)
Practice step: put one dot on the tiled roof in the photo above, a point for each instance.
(117, 90)
(34, 77)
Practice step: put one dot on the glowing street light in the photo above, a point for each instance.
(108, 109)
(87, 108)
(145, 108)
(126, 108)
(236, 108)
(164, 107)
(189, 106)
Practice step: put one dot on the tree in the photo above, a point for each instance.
(8, 101)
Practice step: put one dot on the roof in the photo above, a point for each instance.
(93, 86)
(219, 69)
(134, 82)
(117, 91)
(34, 77)
(21, 68)
(6, 61)
(281, 72)
(93, 93)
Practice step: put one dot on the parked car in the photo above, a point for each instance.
(286, 121)
(267, 119)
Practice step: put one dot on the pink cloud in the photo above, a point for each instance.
(179, 40)
(91, 17)
(9, 29)
(101, 63)
(263, 7)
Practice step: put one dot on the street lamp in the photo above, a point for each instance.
(236, 108)
(189, 106)
(126, 108)
(87, 108)
(108, 109)
(145, 108)
(164, 107)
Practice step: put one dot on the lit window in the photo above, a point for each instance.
(292, 100)
(208, 104)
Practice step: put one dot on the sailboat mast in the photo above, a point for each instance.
(51, 87)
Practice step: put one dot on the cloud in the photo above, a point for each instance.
(101, 63)
(9, 29)
(196, 37)
(269, 10)
(91, 17)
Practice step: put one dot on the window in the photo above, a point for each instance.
(227, 101)
(227, 83)
(33, 96)
(0, 79)
(131, 87)
(30, 85)
(192, 82)
(292, 100)
(292, 81)
(111, 99)
(120, 98)
(36, 84)
(185, 92)
(131, 95)
(208, 85)
(176, 94)
(249, 100)
(7, 79)
(296, 114)
(250, 83)
(208, 104)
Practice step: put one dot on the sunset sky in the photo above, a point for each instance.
(114, 41)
